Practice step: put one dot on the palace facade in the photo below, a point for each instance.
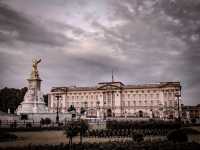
(114, 99)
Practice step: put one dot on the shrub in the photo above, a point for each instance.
(71, 130)
(4, 136)
(193, 120)
(45, 121)
(112, 146)
(137, 137)
(113, 124)
(28, 125)
(177, 136)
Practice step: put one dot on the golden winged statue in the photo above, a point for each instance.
(34, 67)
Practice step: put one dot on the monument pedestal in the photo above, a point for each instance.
(33, 99)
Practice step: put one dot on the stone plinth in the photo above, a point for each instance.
(33, 100)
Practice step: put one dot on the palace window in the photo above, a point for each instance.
(151, 95)
(145, 96)
(145, 102)
(134, 96)
(158, 102)
(157, 96)
(139, 96)
(175, 104)
(82, 104)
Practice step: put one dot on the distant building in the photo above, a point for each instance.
(191, 113)
(114, 99)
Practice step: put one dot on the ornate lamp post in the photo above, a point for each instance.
(57, 113)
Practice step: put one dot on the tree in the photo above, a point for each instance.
(45, 121)
(11, 98)
(71, 130)
(83, 129)
(82, 111)
(45, 99)
(177, 136)
(137, 137)
(71, 108)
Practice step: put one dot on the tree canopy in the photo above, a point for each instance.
(11, 98)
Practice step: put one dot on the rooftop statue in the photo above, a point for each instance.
(34, 73)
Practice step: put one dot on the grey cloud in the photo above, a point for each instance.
(163, 52)
(17, 26)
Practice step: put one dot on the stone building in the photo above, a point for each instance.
(114, 99)
(191, 113)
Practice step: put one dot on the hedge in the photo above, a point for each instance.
(112, 146)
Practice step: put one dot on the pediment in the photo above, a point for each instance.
(109, 87)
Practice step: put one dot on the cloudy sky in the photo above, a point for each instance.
(81, 41)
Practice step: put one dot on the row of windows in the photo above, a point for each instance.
(84, 93)
(128, 103)
(171, 103)
(93, 93)
(142, 91)
(84, 97)
(133, 103)
(169, 95)
(142, 96)
(124, 91)
(78, 104)
(128, 96)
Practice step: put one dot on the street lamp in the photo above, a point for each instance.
(178, 95)
(57, 115)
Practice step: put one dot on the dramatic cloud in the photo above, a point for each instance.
(81, 41)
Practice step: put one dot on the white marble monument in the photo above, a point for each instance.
(33, 100)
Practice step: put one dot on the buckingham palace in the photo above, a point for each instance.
(115, 99)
